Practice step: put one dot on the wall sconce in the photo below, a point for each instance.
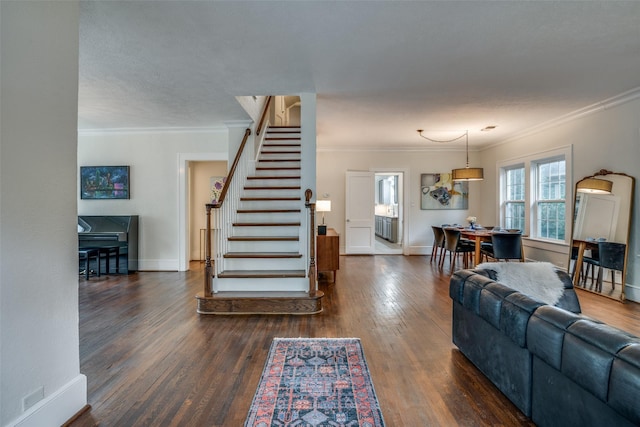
(323, 206)
(595, 186)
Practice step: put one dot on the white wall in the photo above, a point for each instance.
(199, 190)
(154, 168)
(333, 164)
(604, 137)
(39, 262)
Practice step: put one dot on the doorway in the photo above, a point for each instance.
(389, 212)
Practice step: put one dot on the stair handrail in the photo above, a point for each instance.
(265, 110)
(312, 241)
(232, 171)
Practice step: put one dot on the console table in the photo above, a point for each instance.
(328, 252)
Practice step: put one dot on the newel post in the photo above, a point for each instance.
(208, 265)
(312, 241)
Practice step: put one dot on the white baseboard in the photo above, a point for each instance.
(57, 408)
(157, 265)
(419, 250)
(632, 293)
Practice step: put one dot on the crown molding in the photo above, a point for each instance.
(109, 131)
(608, 103)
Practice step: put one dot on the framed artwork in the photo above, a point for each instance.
(216, 184)
(104, 182)
(438, 191)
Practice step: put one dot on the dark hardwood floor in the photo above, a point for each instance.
(151, 360)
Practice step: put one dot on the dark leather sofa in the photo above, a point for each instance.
(557, 366)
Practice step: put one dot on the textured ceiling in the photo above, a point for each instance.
(381, 69)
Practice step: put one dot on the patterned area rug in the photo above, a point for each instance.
(315, 382)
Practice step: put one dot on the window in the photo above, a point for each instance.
(514, 198)
(533, 194)
(550, 200)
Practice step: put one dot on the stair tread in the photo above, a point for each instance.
(273, 177)
(263, 238)
(245, 199)
(263, 255)
(265, 294)
(268, 210)
(282, 144)
(290, 187)
(278, 168)
(261, 274)
(266, 224)
(280, 152)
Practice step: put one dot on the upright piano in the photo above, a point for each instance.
(111, 231)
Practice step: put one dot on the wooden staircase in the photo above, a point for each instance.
(264, 267)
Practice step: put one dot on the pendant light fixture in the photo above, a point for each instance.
(467, 173)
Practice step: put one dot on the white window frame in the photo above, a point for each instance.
(530, 163)
(504, 200)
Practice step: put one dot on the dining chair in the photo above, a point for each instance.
(438, 242)
(586, 261)
(611, 257)
(455, 246)
(505, 246)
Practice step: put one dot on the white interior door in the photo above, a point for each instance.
(360, 226)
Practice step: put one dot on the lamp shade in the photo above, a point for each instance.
(323, 205)
(595, 186)
(467, 174)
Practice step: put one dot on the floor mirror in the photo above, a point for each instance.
(602, 209)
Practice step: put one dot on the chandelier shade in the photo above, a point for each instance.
(467, 174)
(595, 186)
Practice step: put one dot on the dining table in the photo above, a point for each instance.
(480, 236)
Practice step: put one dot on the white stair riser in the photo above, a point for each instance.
(270, 264)
(293, 182)
(290, 284)
(269, 217)
(264, 246)
(278, 172)
(282, 146)
(271, 204)
(273, 231)
(271, 193)
(279, 164)
(287, 135)
(279, 156)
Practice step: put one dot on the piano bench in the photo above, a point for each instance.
(107, 251)
(86, 255)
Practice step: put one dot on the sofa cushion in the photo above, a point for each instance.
(456, 284)
(516, 310)
(545, 333)
(588, 354)
(471, 292)
(491, 298)
(624, 385)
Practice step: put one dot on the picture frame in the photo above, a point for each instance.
(104, 182)
(439, 191)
